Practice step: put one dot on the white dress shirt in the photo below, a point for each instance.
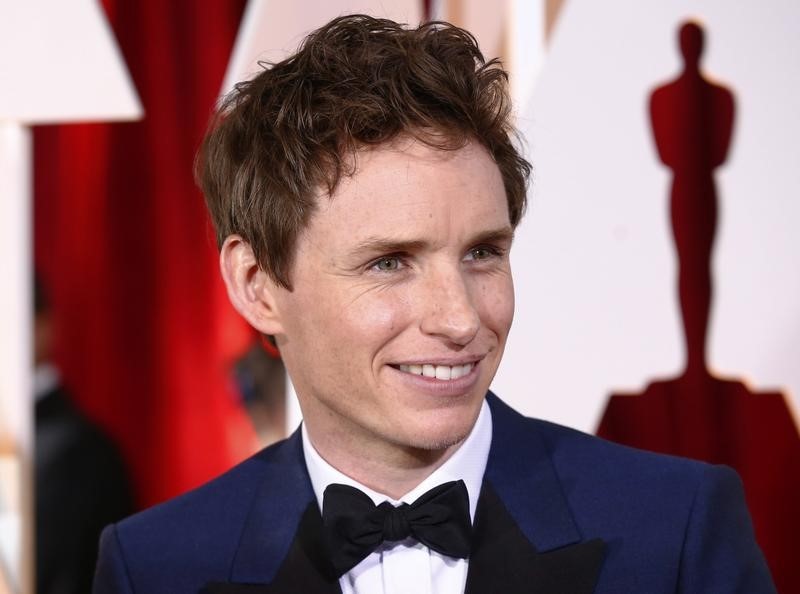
(409, 567)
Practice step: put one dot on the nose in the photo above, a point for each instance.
(449, 311)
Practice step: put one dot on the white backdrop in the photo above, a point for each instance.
(594, 265)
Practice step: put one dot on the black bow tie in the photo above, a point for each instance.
(354, 526)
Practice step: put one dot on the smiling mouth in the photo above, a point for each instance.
(440, 372)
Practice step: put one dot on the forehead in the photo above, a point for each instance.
(409, 188)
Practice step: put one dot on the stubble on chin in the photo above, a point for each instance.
(428, 447)
(445, 442)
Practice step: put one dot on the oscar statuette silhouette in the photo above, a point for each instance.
(696, 414)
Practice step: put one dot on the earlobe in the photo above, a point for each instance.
(250, 289)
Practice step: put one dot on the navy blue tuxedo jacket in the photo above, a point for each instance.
(560, 512)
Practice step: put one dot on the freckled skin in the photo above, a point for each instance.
(355, 315)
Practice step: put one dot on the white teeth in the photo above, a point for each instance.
(440, 372)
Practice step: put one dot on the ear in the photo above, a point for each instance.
(250, 289)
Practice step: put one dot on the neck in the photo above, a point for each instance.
(389, 469)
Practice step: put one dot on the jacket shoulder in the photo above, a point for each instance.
(169, 546)
(573, 451)
(610, 485)
(687, 517)
(581, 460)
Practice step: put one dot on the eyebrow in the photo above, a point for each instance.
(387, 245)
(502, 235)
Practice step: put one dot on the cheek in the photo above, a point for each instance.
(376, 317)
(496, 304)
(340, 324)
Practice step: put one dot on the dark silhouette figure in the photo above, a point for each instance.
(81, 481)
(692, 123)
(696, 414)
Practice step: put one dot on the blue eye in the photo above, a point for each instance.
(482, 252)
(387, 264)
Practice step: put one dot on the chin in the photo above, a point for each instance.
(442, 442)
(440, 432)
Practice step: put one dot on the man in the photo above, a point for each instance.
(81, 479)
(365, 192)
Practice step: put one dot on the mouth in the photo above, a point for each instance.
(439, 372)
(435, 378)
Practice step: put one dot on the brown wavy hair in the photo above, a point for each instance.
(280, 139)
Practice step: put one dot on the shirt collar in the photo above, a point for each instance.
(468, 463)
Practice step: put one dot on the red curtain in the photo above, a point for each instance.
(145, 334)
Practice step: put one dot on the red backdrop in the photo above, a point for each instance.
(123, 246)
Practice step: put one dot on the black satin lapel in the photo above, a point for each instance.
(503, 560)
(305, 569)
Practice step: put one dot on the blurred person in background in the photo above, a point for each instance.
(261, 381)
(81, 483)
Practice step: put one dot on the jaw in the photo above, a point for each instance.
(396, 456)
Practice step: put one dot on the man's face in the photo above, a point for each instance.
(402, 300)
